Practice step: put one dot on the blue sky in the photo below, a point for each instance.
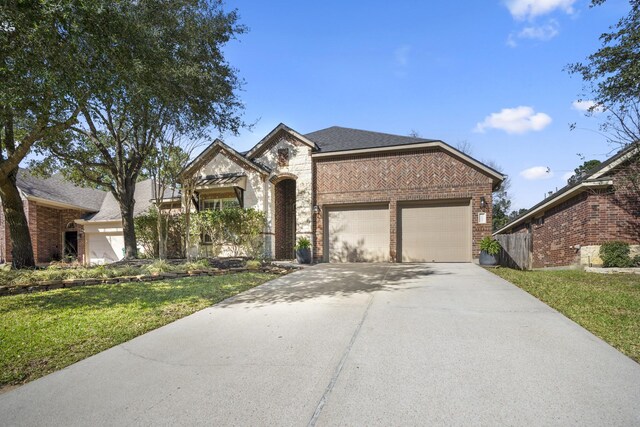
(486, 72)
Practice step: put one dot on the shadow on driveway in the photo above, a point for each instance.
(329, 280)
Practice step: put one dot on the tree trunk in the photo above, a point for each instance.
(16, 220)
(127, 203)
(162, 242)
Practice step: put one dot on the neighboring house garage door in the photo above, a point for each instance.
(105, 248)
(435, 233)
(358, 234)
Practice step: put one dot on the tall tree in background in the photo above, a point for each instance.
(501, 201)
(582, 170)
(167, 75)
(47, 61)
(612, 78)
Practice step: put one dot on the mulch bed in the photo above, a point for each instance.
(220, 266)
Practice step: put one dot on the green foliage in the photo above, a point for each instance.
(303, 243)
(613, 71)
(159, 266)
(608, 305)
(253, 264)
(46, 331)
(146, 226)
(201, 264)
(582, 170)
(501, 201)
(615, 254)
(239, 230)
(490, 245)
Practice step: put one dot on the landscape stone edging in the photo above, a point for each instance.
(612, 270)
(48, 285)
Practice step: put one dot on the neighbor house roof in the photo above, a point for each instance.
(110, 209)
(58, 190)
(338, 138)
(595, 178)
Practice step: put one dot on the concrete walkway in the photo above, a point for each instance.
(350, 345)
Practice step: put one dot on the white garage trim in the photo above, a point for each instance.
(438, 231)
(357, 233)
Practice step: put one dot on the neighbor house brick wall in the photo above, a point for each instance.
(389, 178)
(46, 227)
(51, 224)
(589, 218)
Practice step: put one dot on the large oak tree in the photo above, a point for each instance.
(167, 74)
(46, 64)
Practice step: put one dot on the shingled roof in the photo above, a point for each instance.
(337, 138)
(144, 195)
(57, 189)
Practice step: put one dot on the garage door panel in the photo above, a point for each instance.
(358, 234)
(105, 248)
(436, 233)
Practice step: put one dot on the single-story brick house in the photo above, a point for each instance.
(70, 221)
(568, 227)
(357, 195)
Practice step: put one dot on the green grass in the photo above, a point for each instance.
(46, 331)
(608, 305)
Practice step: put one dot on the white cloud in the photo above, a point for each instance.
(529, 9)
(540, 32)
(401, 59)
(585, 106)
(537, 172)
(515, 120)
(401, 55)
(567, 175)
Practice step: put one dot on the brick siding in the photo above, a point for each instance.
(46, 227)
(589, 218)
(421, 174)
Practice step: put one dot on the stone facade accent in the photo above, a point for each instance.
(428, 174)
(298, 167)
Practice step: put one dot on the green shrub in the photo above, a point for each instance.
(490, 245)
(253, 264)
(636, 261)
(303, 243)
(239, 230)
(615, 254)
(159, 266)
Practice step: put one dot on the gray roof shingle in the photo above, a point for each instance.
(57, 189)
(338, 138)
(110, 209)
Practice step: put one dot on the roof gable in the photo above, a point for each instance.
(265, 143)
(212, 150)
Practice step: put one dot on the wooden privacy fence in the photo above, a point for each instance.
(516, 250)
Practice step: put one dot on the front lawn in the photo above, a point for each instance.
(608, 305)
(46, 331)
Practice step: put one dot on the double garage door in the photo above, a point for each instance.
(426, 233)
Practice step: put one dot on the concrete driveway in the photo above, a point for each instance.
(350, 345)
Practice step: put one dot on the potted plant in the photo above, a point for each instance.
(303, 251)
(489, 249)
